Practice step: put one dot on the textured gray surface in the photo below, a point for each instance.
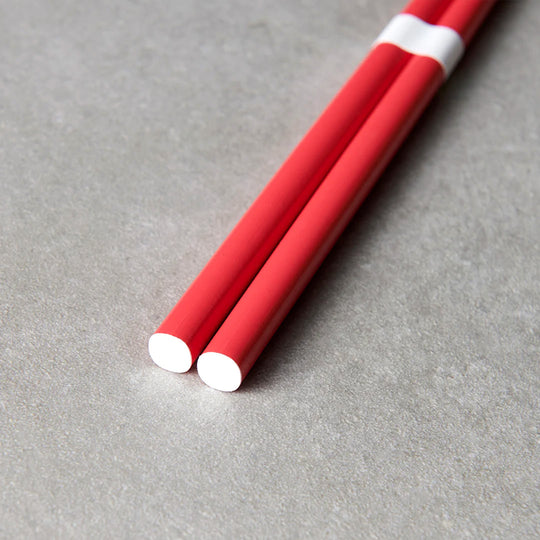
(400, 397)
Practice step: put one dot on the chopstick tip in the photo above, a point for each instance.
(170, 352)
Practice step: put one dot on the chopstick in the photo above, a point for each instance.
(234, 348)
(190, 325)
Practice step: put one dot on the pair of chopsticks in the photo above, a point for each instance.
(237, 302)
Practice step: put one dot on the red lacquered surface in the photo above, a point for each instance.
(207, 302)
(285, 274)
(465, 16)
(280, 281)
(427, 10)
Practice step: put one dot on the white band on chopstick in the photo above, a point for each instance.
(419, 37)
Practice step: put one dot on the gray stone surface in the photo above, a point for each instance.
(399, 398)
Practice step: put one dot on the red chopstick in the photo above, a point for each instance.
(237, 344)
(195, 318)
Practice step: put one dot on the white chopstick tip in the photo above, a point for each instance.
(219, 371)
(170, 353)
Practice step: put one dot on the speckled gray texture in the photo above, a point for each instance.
(399, 399)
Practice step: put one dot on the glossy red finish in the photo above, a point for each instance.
(465, 16)
(283, 277)
(206, 303)
(427, 10)
(272, 293)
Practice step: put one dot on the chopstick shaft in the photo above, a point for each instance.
(233, 350)
(195, 318)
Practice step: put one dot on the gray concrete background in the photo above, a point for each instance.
(399, 398)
